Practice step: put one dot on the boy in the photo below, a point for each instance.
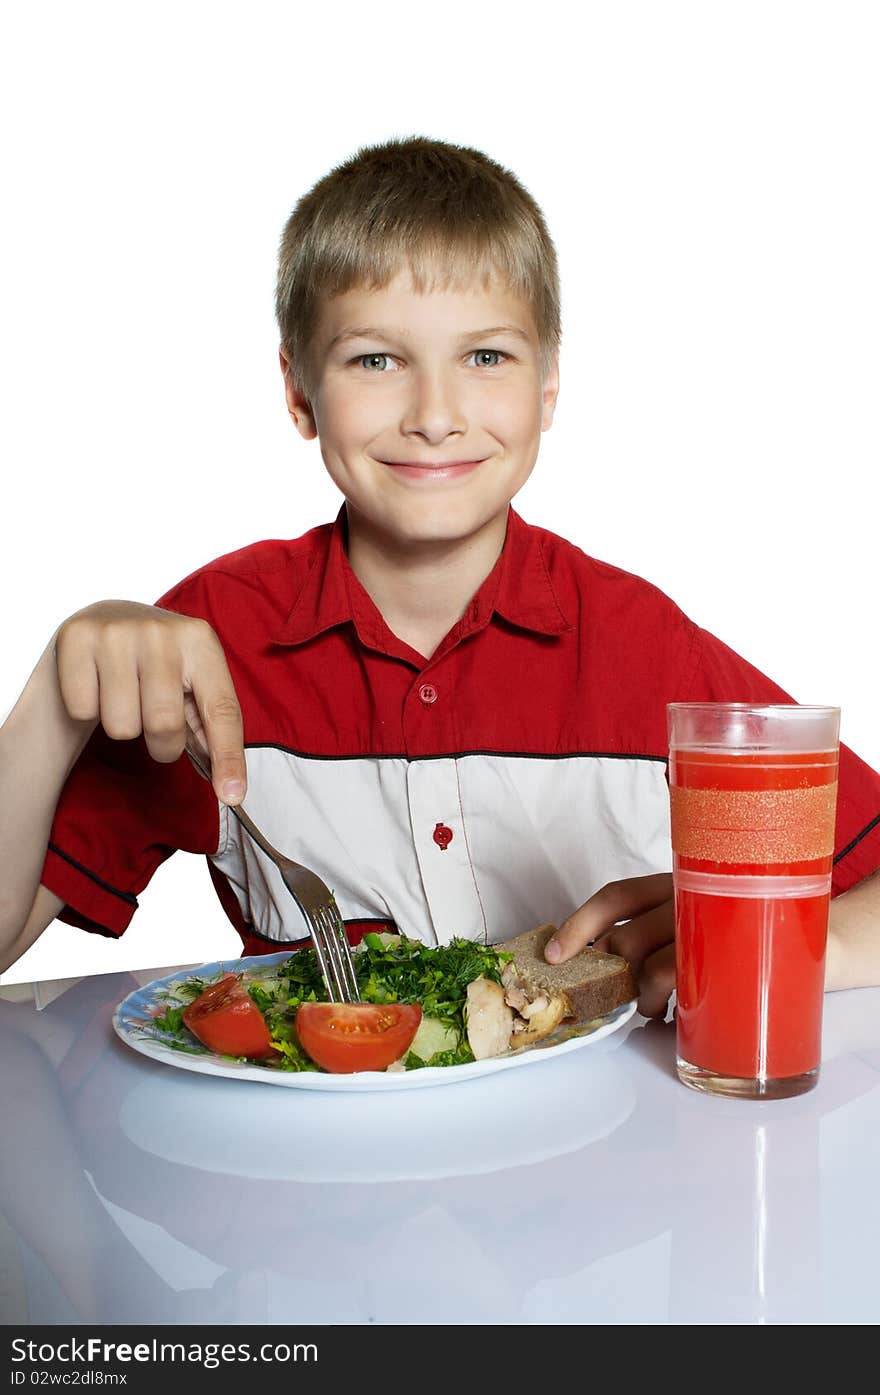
(457, 720)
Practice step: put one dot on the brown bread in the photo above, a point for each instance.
(593, 983)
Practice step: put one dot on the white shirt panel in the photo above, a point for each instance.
(532, 838)
(545, 834)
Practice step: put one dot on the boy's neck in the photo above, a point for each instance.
(422, 590)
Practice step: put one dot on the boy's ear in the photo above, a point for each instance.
(298, 406)
(549, 394)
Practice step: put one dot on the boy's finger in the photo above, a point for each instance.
(224, 733)
(78, 684)
(656, 982)
(119, 694)
(195, 730)
(162, 715)
(642, 936)
(613, 902)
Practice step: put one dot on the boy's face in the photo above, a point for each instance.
(430, 421)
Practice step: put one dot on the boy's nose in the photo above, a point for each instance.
(435, 408)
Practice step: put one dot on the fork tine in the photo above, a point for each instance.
(337, 952)
(328, 957)
(324, 964)
(347, 955)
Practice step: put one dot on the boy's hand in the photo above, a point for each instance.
(646, 941)
(136, 668)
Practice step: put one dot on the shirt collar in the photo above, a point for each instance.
(525, 595)
(518, 588)
(323, 601)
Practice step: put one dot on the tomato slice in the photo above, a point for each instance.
(226, 1019)
(348, 1037)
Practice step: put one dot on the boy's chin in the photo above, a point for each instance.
(426, 528)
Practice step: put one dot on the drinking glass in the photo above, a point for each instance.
(753, 790)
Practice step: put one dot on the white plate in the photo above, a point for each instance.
(133, 1021)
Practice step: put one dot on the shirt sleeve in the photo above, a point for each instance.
(120, 815)
(718, 674)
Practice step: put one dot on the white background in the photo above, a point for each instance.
(709, 175)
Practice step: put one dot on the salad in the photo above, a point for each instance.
(412, 1013)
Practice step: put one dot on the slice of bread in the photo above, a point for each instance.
(590, 985)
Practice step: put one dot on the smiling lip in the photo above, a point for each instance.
(443, 470)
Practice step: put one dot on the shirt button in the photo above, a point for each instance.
(428, 694)
(442, 836)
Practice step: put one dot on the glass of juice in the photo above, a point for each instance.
(753, 792)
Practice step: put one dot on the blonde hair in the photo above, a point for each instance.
(447, 212)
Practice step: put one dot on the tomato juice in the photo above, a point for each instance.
(752, 844)
(750, 983)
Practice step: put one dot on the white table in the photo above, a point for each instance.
(593, 1188)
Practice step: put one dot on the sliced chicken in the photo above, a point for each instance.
(489, 1019)
(516, 998)
(532, 1009)
(544, 1018)
(509, 976)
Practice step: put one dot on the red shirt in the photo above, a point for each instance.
(483, 791)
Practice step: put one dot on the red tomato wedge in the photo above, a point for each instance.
(347, 1037)
(226, 1019)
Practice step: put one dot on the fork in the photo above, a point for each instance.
(315, 900)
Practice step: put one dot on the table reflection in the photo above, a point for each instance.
(591, 1188)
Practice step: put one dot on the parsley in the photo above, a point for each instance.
(399, 970)
(389, 969)
(171, 1020)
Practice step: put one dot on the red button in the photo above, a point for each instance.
(442, 836)
(428, 694)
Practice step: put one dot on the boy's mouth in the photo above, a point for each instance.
(441, 470)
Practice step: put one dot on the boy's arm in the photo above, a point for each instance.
(39, 745)
(854, 936)
(135, 669)
(44, 910)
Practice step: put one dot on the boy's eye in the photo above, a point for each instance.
(486, 358)
(483, 354)
(369, 361)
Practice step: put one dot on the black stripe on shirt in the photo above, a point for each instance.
(858, 838)
(126, 896)
(458, 755)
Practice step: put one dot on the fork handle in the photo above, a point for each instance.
(341, 986)
(244, 818)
